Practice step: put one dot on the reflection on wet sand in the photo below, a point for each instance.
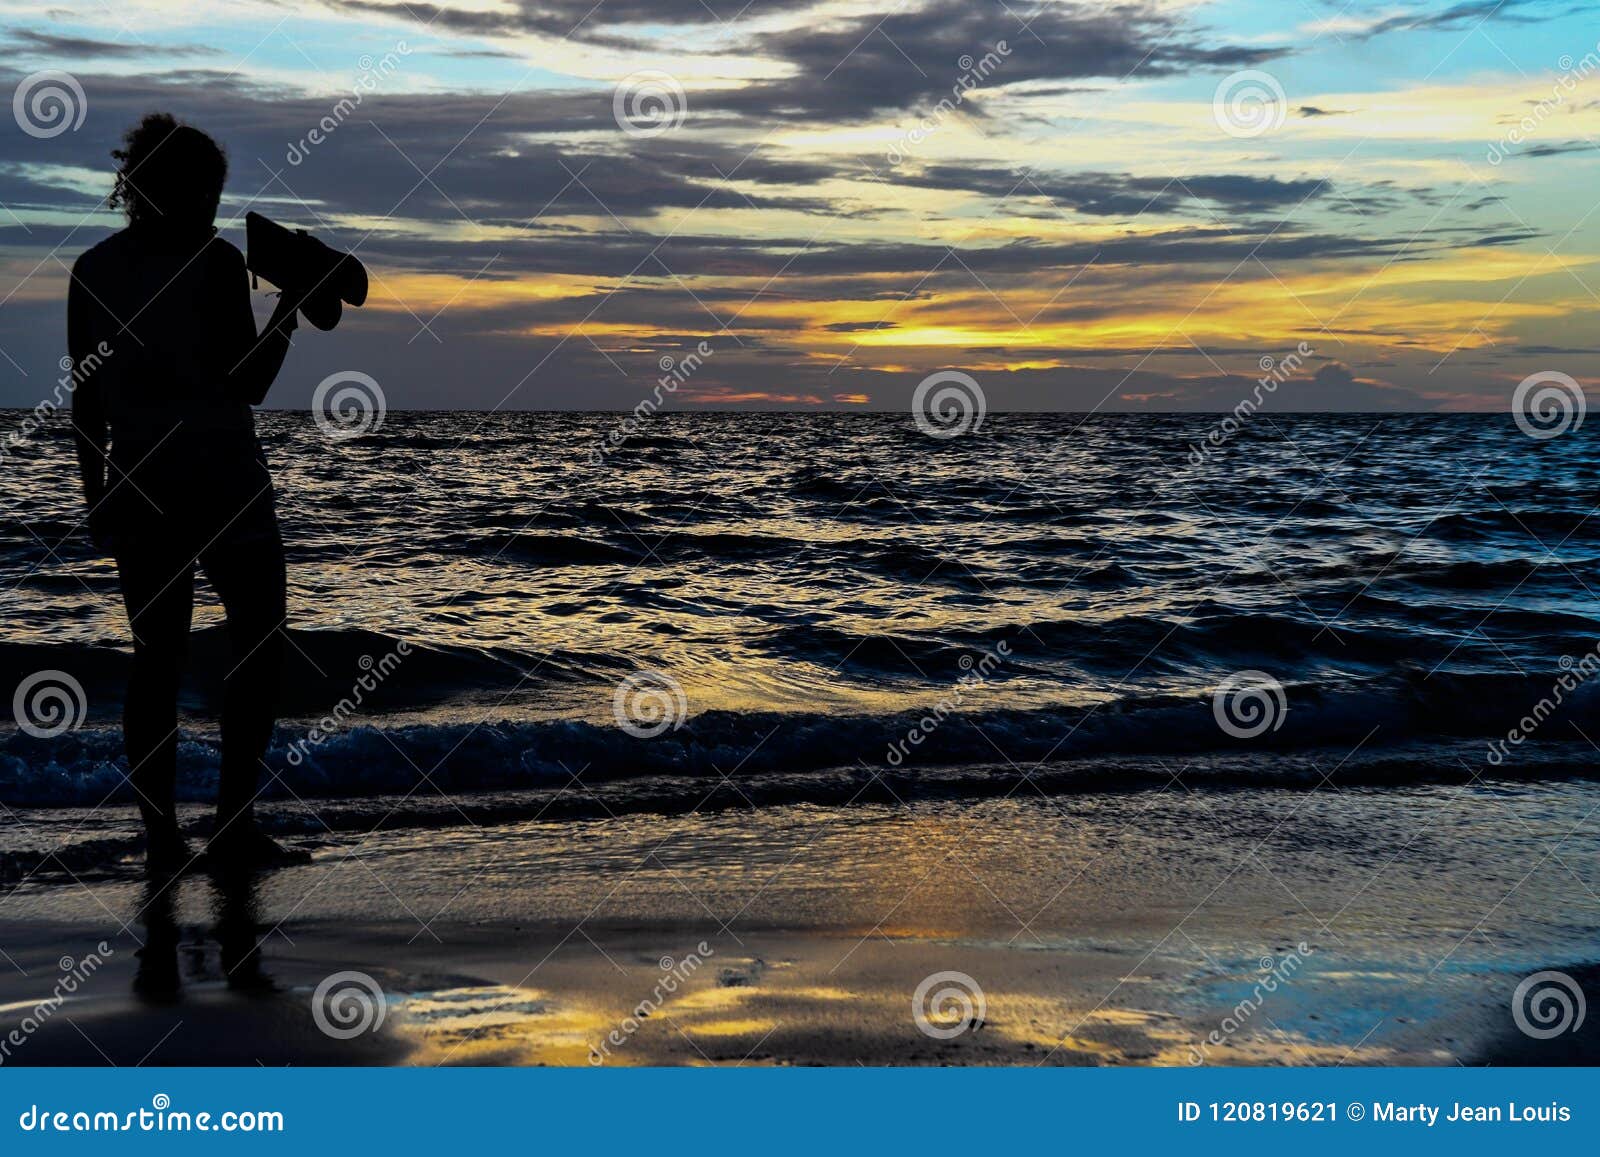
(801, 999)
(760, 1011)
(236, 928)
(543, 960)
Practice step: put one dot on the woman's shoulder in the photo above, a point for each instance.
(123, 245)
(101, 253)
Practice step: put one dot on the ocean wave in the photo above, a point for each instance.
(321, 668)
(1497, 574)
(557, 800)
(1205, 640)
(85, 767)
(1550, 527)
(554, 549)
(650, 547)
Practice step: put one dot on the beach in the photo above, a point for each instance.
(1334, 926)
(1034, 749)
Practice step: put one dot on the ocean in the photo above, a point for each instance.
(733, 609)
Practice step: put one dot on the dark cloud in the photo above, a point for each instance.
(1335, 387)
(486, 162)
(1332, 388)
(799, 258)
(478, 54)
(1469, 15)
(1556, 149)
(83, 48)
(601, 24)
(849, 70)
(913, 58)
(1119, 194)
(483, 155)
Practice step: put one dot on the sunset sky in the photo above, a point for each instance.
(1087, 227)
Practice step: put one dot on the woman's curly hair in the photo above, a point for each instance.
(168, 172)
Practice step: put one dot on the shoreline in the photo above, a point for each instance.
(1100, 929)
(535, 996)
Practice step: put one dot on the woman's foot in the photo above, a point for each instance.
(248, 847)
(167, 853)
(157, 979)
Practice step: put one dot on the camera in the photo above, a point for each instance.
(319, 278)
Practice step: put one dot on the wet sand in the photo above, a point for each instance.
(1251, 927)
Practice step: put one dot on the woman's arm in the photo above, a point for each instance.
(89, 427)
(256, 358)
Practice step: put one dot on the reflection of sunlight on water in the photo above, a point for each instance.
(726, 1016)
(1047, 1025)
(496, 1024)
(719, 1023)
(818, 992)
(747, 1027)
(499, 1024)
(712, 999)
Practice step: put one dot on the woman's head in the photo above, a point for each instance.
(169, 174)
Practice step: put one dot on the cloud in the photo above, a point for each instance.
(579, 20)
(488, 168)
(1335, 387)
(1120, 194)
(850, 69)
(1556, 149)
(1469, 15)
(1048, 241)
(854, 70)
(83, 47)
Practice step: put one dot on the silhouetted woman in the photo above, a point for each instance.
(162, 336)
